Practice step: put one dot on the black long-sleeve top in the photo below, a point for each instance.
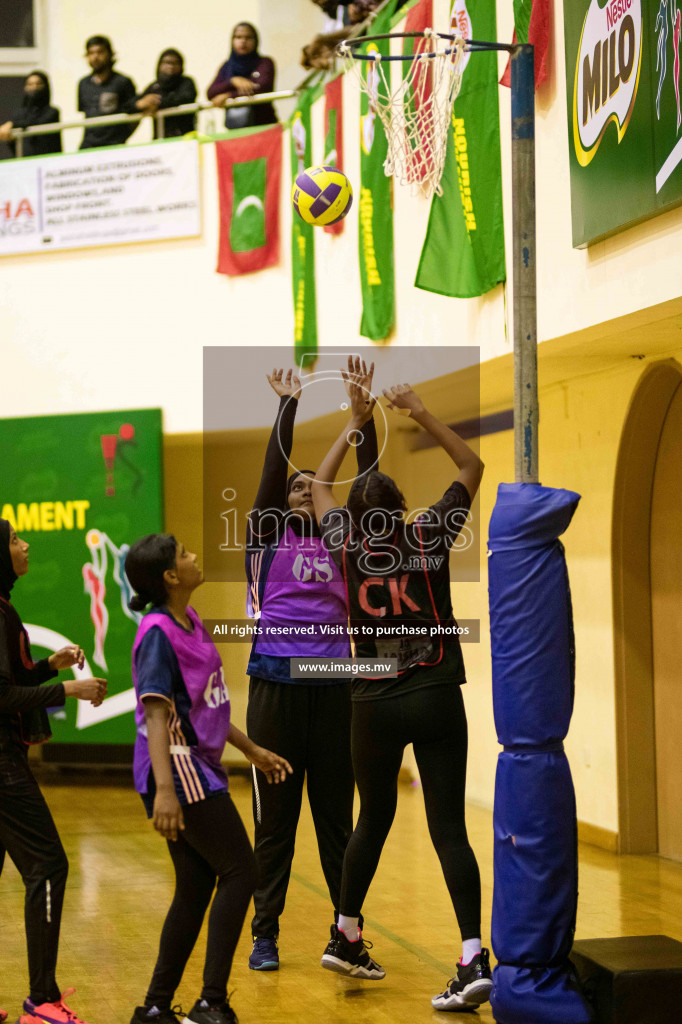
(38, 145)
(22, 697)
(181, 89)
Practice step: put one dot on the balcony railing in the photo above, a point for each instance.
(19, 134)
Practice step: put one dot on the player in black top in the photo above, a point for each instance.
(27, 831)
(400, 608)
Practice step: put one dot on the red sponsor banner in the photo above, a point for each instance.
(249, 175)
(420, 17)
(333, 135)
(537, 29)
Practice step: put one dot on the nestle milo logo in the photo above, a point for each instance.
(606, 73)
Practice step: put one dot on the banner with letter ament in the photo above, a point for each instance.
(100, 197)
(80, 489)
(624, 112)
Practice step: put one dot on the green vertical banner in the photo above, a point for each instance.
(333, 136)
(302, 242)
(463, 252)
(80, 489)
(377, 277)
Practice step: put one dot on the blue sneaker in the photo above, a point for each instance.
(264, 955)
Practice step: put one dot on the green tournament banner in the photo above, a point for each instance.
(302, 242)
(80, 489)
(463, 252)
(377, 277)
(624, 112)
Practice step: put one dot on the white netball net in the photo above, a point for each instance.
(416, 114)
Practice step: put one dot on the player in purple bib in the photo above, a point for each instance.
(293, 581)
(183, 723)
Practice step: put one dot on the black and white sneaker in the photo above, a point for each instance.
(203, 1013)
(153, 1015)
(470, 988)
(350, 958)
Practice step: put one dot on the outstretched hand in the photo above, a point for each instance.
(357, 373)
(401, 396)
(284, 385)
(362, 403)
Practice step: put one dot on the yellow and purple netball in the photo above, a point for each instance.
(322, 195)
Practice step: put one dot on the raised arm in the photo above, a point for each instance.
(401, 396)
(272, 490)
(368, 450)
(322, 486)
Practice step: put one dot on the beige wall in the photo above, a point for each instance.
(126, 327)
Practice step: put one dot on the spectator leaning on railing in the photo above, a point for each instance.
(106, 91)
(35, 109)
(244, 73)
(173, 88)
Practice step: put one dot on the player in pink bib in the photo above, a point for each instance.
(183, 723)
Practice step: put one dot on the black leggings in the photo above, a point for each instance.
(213, 847)
(28, 833)
(434, 720)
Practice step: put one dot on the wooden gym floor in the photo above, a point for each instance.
(120, 886)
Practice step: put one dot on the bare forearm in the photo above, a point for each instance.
(159, 749)
(240, 740)
(459, 451)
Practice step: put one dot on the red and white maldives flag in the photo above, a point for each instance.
(531, 25)
(333, 135)
(249, 174)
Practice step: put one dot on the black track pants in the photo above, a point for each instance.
(29, 835)
(310, 726)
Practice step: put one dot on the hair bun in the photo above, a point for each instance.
(138, 603)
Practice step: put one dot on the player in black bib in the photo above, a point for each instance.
(397, 576)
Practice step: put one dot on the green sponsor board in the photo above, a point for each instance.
(624, 112)
(80, 489)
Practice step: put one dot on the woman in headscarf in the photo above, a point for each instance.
(35, 109)
(172, 87)
(27, 831)
(244, 73)
(293, 582)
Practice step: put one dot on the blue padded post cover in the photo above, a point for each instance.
(536, 862)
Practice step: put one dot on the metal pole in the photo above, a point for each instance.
(526, 412)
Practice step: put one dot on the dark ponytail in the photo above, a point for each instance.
(146, 562)
(375, 491)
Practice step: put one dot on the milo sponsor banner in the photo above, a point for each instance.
(80, 489)
(625, 116)
(100, 197)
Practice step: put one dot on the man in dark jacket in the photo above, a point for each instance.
(106, 91)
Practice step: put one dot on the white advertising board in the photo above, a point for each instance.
(100, 197)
